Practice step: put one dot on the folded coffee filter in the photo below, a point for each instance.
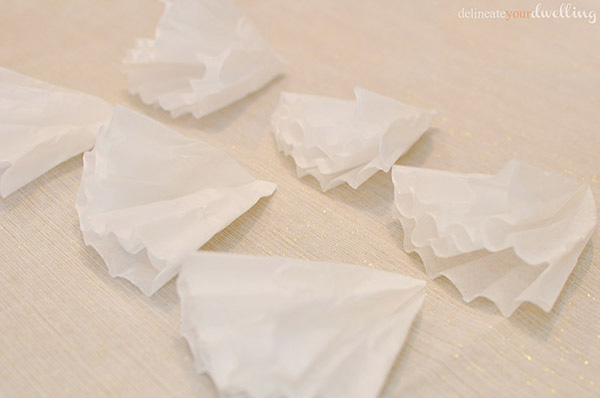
(280, 327)
(512, 237)
(338, 141)
(149, 197)
(41, 126)
(206, 55)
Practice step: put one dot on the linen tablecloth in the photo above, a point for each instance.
(523, 88)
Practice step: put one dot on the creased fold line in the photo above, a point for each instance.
(280, 327)
(512, 237)
(149, 197)
(338, 141)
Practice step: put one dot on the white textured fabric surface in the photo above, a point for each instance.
(525, 89)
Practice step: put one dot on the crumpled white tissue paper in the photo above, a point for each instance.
(206, 55)
(512, 237)
(150, 196)
(278, 327)
(339, 141)
(41, 126)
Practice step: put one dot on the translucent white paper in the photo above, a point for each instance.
(41, 126)
(512, 237)
(150, 196)
(279, 327)
(339, 141)
(206, 55)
